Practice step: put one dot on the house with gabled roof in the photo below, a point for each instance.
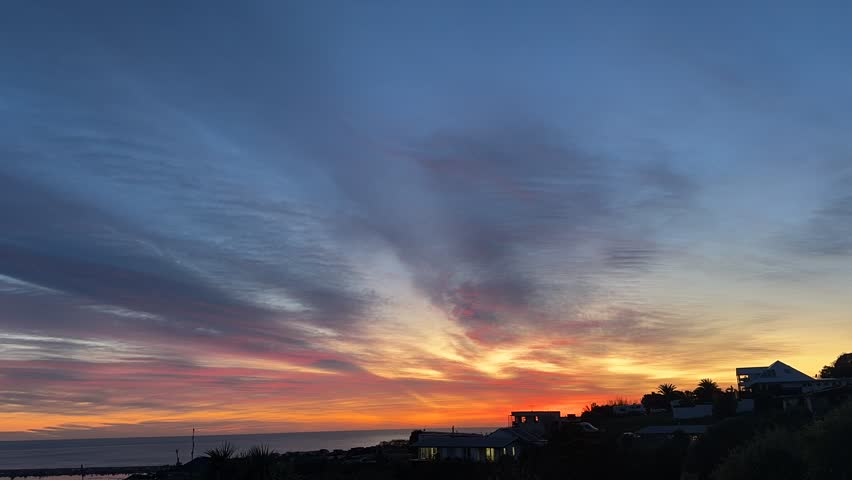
(781, 386)
(502, 443)
(778, 378)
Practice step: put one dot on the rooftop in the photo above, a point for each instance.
(671, 429)
(536, 412)
(500, 438)
(778, 372)
(750, 370)
(464, 441)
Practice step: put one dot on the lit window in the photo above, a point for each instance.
(489, 454)
(428, 453)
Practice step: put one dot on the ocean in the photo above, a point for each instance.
(141, 451)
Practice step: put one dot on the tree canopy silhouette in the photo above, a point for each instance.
(840, 368)
(707, 389)
(667, 390)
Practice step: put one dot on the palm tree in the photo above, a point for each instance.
(667, 390)
(707, 389)
(709, 385)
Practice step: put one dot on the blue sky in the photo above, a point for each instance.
(283, 196)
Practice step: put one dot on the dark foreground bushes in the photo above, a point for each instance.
(821, 450)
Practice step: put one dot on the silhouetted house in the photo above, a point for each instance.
(538, 422)
(661, 432)
(776, 379)
(503, 442)
(828, 395)
(683, 411)
(627, 410)
(569, 418)
(783, 387)
(745, 375)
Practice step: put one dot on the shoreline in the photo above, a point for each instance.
(247, 434)
(62, 457)
(392, 448)
(75, 471)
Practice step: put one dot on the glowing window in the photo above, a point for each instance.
(428, 453)
(489, 454)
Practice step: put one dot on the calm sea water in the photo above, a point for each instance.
(117, 452)
(77, 477)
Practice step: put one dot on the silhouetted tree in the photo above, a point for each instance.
(709, 385)
(706, 390)
(594, 410)
(667, 390)
(789, 450)
(775, 455)
(655, 401)
(827, 445)
(840, 368)
(718, 442)
(725, 404)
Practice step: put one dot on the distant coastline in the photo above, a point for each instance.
(120, 452)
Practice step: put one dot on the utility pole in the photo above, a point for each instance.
(192, 454)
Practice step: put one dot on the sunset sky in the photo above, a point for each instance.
(285, 216)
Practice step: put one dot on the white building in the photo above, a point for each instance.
(777, 378)
(625, 410)
(693, 411)
(502, 443)
(782, 386)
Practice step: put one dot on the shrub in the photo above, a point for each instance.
(774, 455)
(260, 462)
(828, 444)
(718, 442)
(221, 453)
